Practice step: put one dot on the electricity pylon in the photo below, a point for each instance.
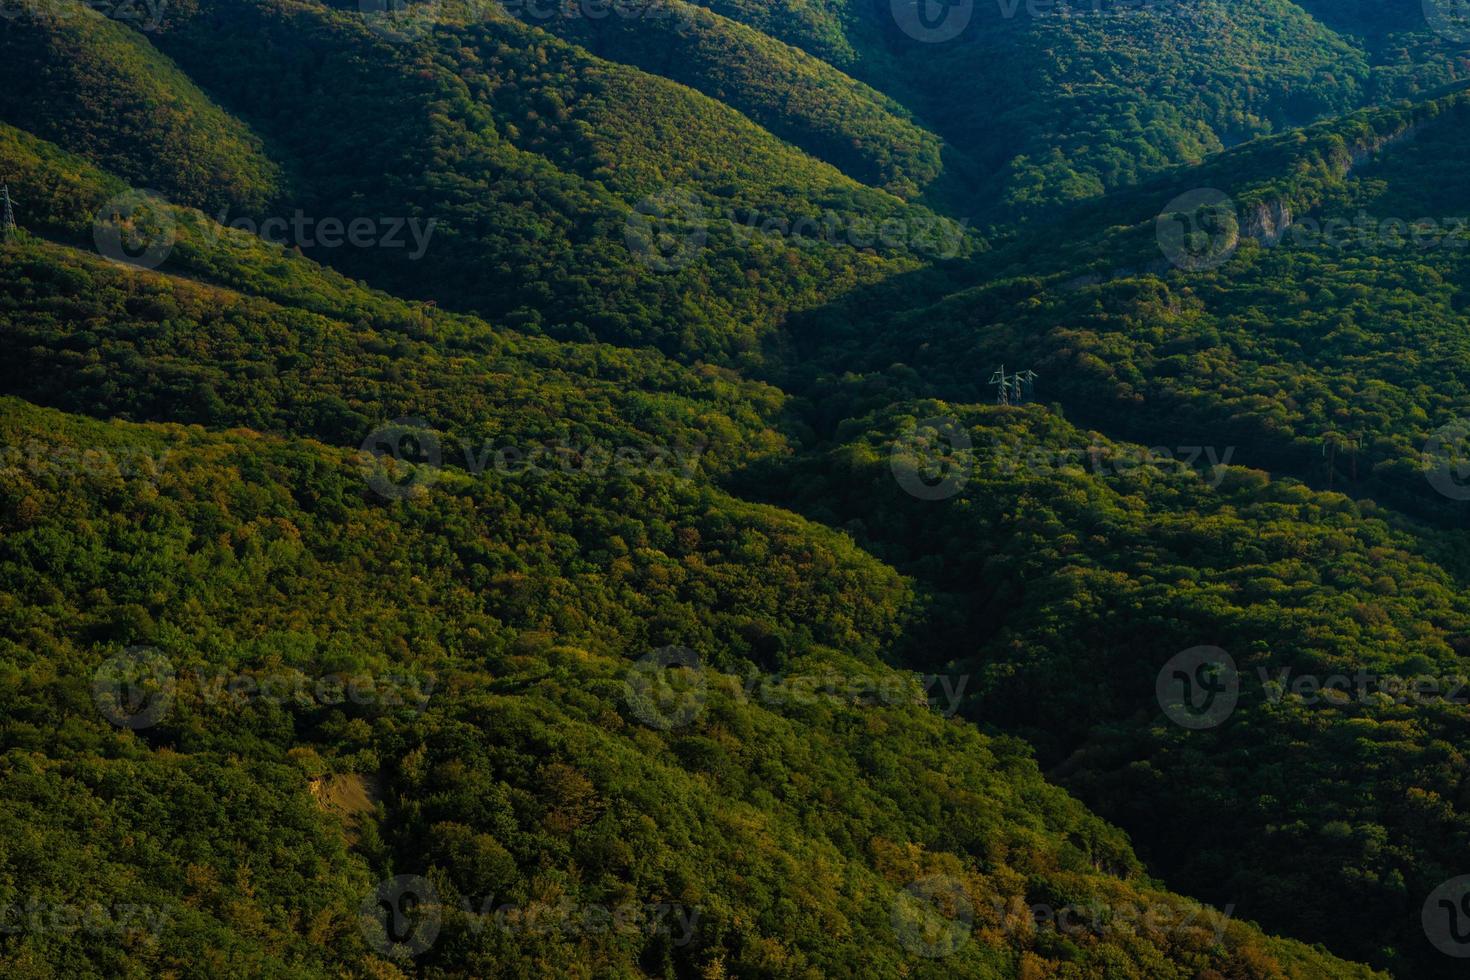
(1003, 392)
(1023, 382)
(1008, 386)
(7, 223)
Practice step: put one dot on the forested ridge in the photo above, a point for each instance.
(611, 540)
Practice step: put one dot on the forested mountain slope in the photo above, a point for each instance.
(1307, 329)
(1062, 571)
(508, 767)
(72, 75)
(633, 382)
(1317, 322)
(796, 96)
(537, 161)
(1062, 101)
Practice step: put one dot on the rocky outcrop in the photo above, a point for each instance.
(1266, 222)
(1361, 153)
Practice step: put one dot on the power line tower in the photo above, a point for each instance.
(1003, 381)
(1334, 443)
(1013, 389)
(7, 223)
(1024, 383)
